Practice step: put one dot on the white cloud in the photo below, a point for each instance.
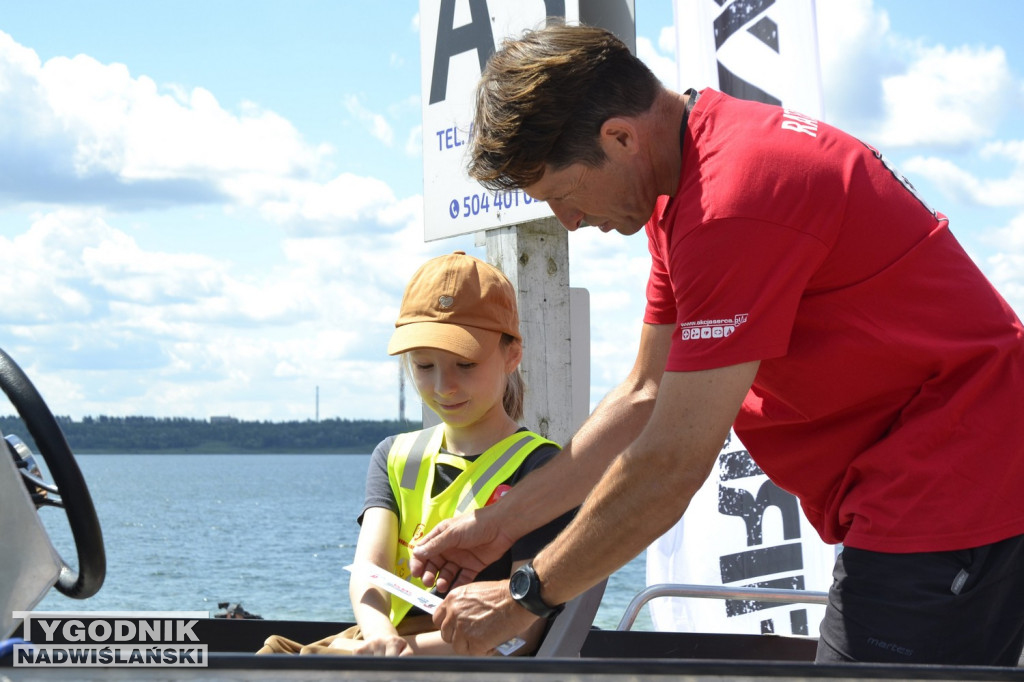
(414, 142)
(1012, 236)
(74, 265)
(614, 269)
(75, 131)
(960, 185)
(1008, 191)
(111, 327)
(667, 40)
(946, 97)
(955, 183)
(176, 334)
(51, 283)
(102, 136)
(1006, 270)
(345, 204)
(78, 131)
(375, 124)
(899, 92)
(664, 67)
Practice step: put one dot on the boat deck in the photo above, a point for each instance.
(607, 655)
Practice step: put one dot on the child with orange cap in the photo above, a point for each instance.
(458, 335)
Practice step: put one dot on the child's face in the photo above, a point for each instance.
(462, 392)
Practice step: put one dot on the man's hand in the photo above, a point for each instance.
(476, 618)
(457, 549)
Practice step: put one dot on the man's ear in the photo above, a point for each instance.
(618, 135)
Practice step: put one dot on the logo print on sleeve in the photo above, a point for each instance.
(711, 329)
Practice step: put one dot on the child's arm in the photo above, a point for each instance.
(378, 538)
(371, 605)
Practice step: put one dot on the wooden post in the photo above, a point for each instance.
(535, 257)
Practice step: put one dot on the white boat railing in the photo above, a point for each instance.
(783, 596)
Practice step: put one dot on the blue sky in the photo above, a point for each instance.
(211, 208)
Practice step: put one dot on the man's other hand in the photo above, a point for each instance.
(476, 618)
(457, 549)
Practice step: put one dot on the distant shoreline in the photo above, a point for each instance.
(133, 435)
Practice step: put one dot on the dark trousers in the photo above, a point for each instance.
(964, 607)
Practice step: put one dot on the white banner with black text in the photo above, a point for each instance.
(741, 529)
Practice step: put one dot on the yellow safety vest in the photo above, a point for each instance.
(411, 468)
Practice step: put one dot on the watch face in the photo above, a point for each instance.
(519, 584)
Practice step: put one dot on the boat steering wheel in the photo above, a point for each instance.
(70, 485)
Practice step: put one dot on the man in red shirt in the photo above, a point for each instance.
(799, 289)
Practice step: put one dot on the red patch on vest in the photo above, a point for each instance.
(498, 493)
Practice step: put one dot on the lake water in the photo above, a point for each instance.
(272, 532)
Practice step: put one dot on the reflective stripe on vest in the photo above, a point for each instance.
(412, 463)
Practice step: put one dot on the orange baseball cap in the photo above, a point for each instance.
(456, 303)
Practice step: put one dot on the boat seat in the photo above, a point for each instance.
(570, 628)
(29, 565)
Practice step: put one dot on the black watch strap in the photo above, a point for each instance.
(524, 585)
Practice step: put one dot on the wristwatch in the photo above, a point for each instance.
(525, 588)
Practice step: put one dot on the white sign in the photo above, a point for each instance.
(456, 39)
(740, 530)
(759, 50)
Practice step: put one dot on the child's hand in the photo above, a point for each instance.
(385, 645)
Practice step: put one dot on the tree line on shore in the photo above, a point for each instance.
(136, 435)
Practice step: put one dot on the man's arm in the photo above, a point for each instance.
(642, 494)
(652, 483)
(457, 549)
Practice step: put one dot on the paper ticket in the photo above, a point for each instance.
(417, 596)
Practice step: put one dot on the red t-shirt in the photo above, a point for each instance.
(890, 395)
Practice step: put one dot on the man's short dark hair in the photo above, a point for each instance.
(542, 99)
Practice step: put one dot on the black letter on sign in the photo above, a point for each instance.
(754, 563)
(733, 18)
(451, 41)
(737, 502)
